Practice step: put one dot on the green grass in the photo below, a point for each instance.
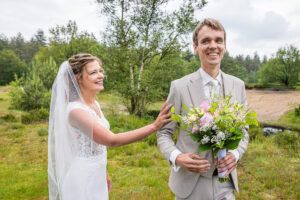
(289, 119)
(138, 171)
(269, 172)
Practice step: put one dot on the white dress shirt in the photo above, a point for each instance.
(211, 87)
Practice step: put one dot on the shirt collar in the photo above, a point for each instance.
(206, 78)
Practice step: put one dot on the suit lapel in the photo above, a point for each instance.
(227, 84)
(195, 89)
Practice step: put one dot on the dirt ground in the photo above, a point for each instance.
(270, 105)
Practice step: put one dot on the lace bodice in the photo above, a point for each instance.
(82, 145)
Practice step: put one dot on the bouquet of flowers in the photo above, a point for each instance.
(217, 127)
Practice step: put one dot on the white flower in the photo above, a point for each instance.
(192, 117)
(205, 139)
(185, 120)
(220, 136)
(213, 139)
(214, 127)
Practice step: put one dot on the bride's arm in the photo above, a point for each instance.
(85, 122)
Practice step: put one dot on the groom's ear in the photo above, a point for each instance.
(195, 47)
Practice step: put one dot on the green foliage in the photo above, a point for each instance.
(254, 132)
(288, 140)
(66, 41)
(231, 66)
(42, 132)
(138, 170)
(46, 71)
(253, 77)
(9, 118)
(297, 111)
(10, 64)
(151, 114)
(144, 41)
(251, 118)
(35, 116)
(34, 91)
(122, 123)
(284, 68)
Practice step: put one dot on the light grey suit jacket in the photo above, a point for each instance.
(189, 91)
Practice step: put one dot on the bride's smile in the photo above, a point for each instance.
(92, 77)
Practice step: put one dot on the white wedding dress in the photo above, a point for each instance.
(86, 177)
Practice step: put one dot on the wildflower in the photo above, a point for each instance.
(205, 139)
(207, 117)
(195, 128)
(204, 106)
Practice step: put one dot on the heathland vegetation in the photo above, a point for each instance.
(144, 50)
(268, 170)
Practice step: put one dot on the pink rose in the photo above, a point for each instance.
(204, 106)
(207, 117)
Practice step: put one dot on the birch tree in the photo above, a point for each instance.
(140, 35)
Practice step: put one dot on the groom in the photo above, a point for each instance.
(194, 176)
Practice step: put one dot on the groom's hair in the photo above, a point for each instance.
(78, 61)
(211, 23)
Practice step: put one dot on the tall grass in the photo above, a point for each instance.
(268, 170)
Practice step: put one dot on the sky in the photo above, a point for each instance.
(260, 26)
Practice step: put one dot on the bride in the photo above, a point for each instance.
(79, 132)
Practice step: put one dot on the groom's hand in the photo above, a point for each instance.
(193, 162)
(229, 163)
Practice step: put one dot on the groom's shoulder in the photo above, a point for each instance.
(183, 81)
(234, 79)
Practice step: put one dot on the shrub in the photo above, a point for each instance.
(9, 118)
(288, 140)
(35, 116)
(255, 131)
(297, 111)
(16, 126)
(151, 114)
(33, 91)
(42, 132)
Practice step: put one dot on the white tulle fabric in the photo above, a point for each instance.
(76, 164)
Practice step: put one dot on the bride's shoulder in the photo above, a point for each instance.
(77, 105)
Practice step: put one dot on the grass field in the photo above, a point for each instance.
(138, 171)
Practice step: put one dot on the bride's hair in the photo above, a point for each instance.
(78, 61)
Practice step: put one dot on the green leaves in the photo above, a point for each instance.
(251, 118)
(172, 109)
(176, 118)
(203, 147)
(232, 144)
(185, 107)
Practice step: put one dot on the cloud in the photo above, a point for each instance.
(254, 25)
(251, 25)
(28, 16)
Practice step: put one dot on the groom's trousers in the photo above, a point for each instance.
(214, 190)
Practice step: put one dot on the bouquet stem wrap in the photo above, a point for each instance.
(222, 154)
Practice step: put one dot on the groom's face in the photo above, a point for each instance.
(211, 47)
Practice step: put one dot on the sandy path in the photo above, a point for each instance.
(270, 105)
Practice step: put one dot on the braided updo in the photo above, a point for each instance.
(78, 61)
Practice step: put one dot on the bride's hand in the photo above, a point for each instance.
(163, 117)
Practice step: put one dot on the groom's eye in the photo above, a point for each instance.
(205, 41)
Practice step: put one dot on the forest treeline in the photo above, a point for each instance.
(143, 49)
